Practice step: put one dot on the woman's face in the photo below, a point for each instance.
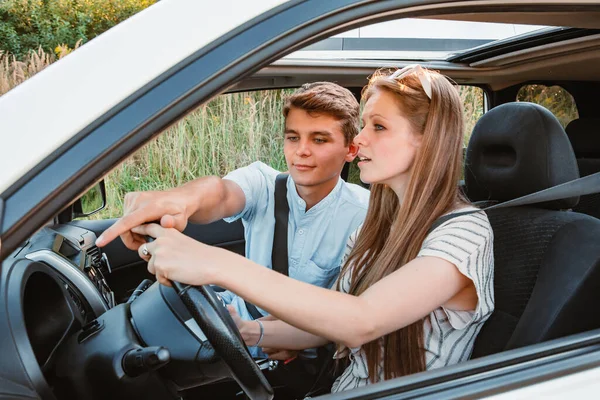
(387, 144)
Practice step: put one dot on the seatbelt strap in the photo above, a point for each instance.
(577, 187)
(279, 254)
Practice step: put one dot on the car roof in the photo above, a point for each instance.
(50, 108)
(553, 46)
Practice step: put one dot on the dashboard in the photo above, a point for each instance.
(74, 340)
(77, 245)
(60, 291)
(70, 251)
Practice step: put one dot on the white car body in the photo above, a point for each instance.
(89, 82)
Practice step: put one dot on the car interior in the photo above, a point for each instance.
(547, 260)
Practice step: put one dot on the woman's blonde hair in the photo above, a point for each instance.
(393, 234)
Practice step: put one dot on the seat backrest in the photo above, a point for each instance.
(547, 265)
(584, 134)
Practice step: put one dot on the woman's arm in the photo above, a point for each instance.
(280, 335)
(398, 300)
(401, 298)
(276, 333)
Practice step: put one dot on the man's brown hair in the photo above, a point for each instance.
(330, 99)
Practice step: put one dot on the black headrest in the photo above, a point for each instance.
(517, 149)
(584, 134)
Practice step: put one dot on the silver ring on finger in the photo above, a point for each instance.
(145, 250)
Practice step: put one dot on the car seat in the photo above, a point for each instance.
(547, 258)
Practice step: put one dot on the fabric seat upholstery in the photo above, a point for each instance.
(584, 134)
(547, 260)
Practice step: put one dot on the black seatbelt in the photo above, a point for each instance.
(279, 254)
(577, 187)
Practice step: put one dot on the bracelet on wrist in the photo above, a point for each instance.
(262, 333)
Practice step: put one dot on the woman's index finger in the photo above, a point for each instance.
(122, 225)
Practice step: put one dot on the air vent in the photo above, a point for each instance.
(93, 252)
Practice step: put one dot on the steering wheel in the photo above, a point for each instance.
(220, 330)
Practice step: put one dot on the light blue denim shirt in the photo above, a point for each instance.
(316, 238)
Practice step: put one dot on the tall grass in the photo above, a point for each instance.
(228, 132)
(473, 108)
(14, 71)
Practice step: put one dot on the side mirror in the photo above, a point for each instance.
(91, 202)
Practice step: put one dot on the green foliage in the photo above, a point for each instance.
(26, 25)
(556, 99)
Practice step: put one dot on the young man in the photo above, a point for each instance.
(321, 121)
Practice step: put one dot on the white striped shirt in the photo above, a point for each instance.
(467, 242)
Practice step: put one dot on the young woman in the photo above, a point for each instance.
(407, 298)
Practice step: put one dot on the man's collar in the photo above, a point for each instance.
(298, 202)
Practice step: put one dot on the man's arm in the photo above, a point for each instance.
(216, 199)
(202, 200)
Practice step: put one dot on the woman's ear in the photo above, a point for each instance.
(417, 140)
(352, 152)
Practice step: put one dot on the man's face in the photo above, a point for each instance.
(315, 148)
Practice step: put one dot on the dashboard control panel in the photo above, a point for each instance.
(77, 246)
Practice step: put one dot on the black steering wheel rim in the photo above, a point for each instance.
(220, 330)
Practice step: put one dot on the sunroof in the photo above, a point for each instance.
(413, 39)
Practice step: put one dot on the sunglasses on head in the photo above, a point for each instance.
(421, 74)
